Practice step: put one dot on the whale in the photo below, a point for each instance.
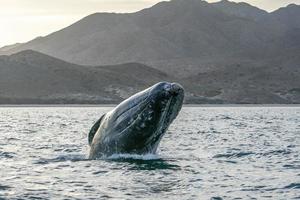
(136, 125)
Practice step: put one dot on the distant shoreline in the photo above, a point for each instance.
(113, 105)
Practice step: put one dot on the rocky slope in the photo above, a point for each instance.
(30, 77)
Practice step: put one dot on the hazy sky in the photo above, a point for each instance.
(23, 20)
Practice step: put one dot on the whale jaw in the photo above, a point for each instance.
(137, 125)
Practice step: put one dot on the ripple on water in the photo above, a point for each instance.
(208, 153)
(6, 155)
(61, 158)
(4, 187)
(234, 155)
(292, 186)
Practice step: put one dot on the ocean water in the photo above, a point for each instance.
(208, 153)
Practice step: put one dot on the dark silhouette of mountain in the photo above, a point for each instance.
(30, 77)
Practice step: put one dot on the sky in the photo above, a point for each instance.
(23, 20)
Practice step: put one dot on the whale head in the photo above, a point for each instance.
(137, 125)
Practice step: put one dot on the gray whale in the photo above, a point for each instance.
(137, 125)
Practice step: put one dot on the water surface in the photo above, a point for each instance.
(208, 153)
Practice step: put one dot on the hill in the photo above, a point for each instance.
(30, 77)
(34, 78)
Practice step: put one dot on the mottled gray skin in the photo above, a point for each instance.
(137, 125)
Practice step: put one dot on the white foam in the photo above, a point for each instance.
(135, 156)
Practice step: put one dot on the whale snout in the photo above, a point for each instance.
(175, 89)
(169, 89)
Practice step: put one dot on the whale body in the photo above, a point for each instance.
(137, 125)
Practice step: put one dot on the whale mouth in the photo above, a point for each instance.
(153, 142)
(174, 104)
(171, 109)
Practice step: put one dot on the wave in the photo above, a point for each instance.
(133, 156)
(244, 154)
(62, 158)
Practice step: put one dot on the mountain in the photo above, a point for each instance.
(181, 37)
(33, 77)
(244, 83)
(289, 16)
(222, 52)
(240, 9)
(30, 77)
(6, 49)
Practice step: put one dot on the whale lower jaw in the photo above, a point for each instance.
(153, 143)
